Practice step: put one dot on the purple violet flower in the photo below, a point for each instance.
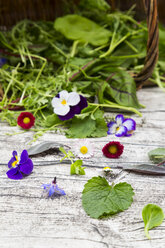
(52, 189)
(121, 127)
(19, 169)
(67, 105)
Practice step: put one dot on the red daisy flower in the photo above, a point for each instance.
(113, 149)
(26, 120)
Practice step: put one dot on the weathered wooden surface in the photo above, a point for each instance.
(28, 221)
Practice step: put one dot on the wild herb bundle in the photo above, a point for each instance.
(94, 52)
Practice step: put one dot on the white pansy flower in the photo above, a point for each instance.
(62, 103)
(83, 149)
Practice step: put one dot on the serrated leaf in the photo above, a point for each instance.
(101, 129)
(152, 216)
(99, 198)
(76, 27)
(81, 128)
(157, 155)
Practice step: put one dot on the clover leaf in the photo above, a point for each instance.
(99, 199)
(152, 216)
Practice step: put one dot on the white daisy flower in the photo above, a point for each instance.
(83, 149)
(62, 103)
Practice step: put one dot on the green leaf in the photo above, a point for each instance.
(123, 89)
(101, 129)
(152, 216)
(157, 155)
(98, 4)
(76, 168)
(63, 151)
(86, 112)
(76, 27)
(100, 199)
(81, 128)
(90, 123)
(52, 120)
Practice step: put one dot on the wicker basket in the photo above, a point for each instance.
(12, 11)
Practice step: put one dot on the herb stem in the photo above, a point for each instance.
(74, 47)
(113, 105)
(146, 232)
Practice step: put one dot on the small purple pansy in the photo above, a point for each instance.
(121, 127)
(19, 169)
(52, 190)
(67, 105)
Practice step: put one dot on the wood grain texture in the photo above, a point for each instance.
(29, 221)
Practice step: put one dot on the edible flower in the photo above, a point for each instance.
(113, 149)
(67, 105)
(19, 169)
(26, 120)
(121, 127)
(83, 149)
(52, 189)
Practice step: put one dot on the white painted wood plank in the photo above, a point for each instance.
(28, 221)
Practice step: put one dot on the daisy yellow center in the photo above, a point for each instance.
(112, 149)
(15, 162)
(107, 168)
(63, 102)
(83, 149)
(26, 120)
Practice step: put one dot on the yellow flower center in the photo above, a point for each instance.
(26, 120)
(83, 149)
(107, 168)
(63, 102)
(112, 149)
(15, 162)
(117, 128)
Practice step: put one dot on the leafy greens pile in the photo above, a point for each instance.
(94, 52)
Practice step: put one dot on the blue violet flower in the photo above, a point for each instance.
(52, 190)
(19, 169)
(67, 105)
(121, 127)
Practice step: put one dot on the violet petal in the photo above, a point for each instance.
(130, 124)
(111, 127)
(24, 157)
(26, 167)
(14, 173)
(12, 160)
(121, 131)
(119, 119)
